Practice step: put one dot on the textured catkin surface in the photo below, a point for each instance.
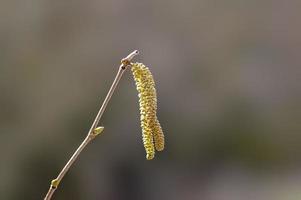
(152, 133)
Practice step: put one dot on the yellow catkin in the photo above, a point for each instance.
(152, 133)
(158, 136)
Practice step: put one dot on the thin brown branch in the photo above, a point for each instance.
(94, 131)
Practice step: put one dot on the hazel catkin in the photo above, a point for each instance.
(152, 133)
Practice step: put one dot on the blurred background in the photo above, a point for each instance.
(228, 82)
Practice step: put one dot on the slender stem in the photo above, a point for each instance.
(91, 134)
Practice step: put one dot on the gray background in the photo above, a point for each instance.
(228, 83)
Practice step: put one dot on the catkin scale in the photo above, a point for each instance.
(152, 133)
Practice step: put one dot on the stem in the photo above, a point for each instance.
(93, 130)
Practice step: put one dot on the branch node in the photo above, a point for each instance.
(97, 131)
(55, 183)
(127, 60)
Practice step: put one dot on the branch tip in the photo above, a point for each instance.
(127, 60)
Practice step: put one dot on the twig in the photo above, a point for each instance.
(94, 130)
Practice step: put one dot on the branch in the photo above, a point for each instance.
(94, 130)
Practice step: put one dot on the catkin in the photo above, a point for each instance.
(158, 136)
(152, 133)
